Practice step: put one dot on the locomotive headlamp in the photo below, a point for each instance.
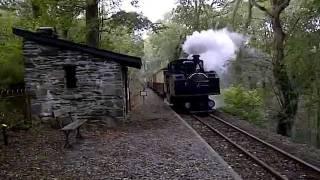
(187, 105)
(211, 104)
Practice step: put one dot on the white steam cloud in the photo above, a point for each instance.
(215, 47)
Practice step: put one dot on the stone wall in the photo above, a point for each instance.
(100, 88)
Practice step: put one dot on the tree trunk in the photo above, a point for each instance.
(197, 16)
(35, 9)
(238, 68)
(234, 13)
(92, 23)
(65, 33)
(288, 95)
(249, 18)
(178, 49)
(318, 110)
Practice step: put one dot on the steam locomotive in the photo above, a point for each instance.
(186, 84)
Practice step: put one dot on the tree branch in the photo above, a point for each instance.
(254, 3)
(234, 12)
(249, 18)
(283, 5)
(294, 26)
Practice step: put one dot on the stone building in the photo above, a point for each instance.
(64, 76)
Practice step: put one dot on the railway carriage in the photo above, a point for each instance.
(156, 82)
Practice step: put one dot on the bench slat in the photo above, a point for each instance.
(74, 125)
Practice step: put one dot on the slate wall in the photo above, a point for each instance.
(99, 95)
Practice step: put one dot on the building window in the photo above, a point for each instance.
(70, 76)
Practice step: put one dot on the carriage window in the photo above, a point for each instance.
(70, 76)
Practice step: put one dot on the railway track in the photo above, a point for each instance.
(250, 156)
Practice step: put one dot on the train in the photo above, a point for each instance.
(185, 84)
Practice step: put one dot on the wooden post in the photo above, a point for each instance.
(143, 94)
(4, 134)
(28, 108)
(130, 105)
(25, 110)
(143, 99)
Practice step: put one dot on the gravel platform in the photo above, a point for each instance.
(154, 144)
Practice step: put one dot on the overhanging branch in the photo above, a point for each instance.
(284, 5)
(261, 7)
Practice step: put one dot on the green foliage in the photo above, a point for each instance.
(11, 64)
(120, 41)
(132, 20)
(244, 103)
(165, 46)
(199, 14)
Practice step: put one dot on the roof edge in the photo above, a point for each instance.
(122, 59)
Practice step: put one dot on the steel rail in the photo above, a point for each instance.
(257, 160)
(268, 144)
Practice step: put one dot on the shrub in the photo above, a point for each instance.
(244, 103)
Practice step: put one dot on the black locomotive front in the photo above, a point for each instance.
(189, 86)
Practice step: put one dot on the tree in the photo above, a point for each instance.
(164, 46)
(96, 16)
(11, 63)
(199, 14)
(92, 23)
(302, 59)
(287, 95)
(132, 20)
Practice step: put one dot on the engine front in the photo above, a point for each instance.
(188, 84)
(187, 77)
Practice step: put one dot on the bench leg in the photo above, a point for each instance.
(79, 136)
(67, 144)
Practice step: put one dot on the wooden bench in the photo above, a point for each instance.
(67, 129)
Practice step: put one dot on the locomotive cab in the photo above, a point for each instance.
(187, 84)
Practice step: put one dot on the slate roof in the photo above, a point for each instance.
(122, 59)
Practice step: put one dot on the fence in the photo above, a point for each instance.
(15, 103)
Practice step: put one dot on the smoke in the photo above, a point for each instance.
(215, 47)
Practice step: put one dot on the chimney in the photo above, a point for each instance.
(196, 58)
(198, 62)
(47, 31)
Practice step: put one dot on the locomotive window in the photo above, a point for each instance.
(188, 66)
(182, 67)
(70, 76)
(173, 68)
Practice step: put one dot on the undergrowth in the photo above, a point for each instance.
(12, 114)
(244, 103)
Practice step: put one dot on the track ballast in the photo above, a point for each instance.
(250, 156)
